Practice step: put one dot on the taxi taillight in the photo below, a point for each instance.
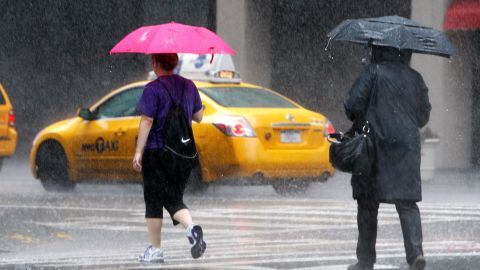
(329, 129)
(11, 118)
(234, 125)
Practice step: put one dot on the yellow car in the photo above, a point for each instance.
(8, 134)
(247, 132)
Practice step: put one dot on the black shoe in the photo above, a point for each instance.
(361, 266)
(418, 263)
(195, 237)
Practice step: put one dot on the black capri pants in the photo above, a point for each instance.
(163, 186)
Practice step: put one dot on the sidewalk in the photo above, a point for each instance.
(453, 186)
(450, 176)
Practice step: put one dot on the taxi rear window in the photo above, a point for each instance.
(2, 99)
(246, 97)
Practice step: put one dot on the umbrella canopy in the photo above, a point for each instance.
(172, 38)
(394, 31)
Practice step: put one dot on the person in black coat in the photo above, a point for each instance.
(396, 99)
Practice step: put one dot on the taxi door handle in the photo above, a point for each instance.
(119, 132)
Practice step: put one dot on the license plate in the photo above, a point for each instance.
(290, 136)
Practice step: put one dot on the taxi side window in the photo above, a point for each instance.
(123, 104)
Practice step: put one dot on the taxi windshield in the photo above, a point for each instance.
(246, 97)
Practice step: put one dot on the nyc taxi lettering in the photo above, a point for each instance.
(101, 145)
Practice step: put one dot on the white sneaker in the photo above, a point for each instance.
(151, 255)
(195, 237)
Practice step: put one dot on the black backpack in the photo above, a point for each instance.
(179, 144)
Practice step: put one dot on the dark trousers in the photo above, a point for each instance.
(367, 229)
(163, 185)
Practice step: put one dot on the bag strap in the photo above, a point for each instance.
(372, 92)
(366, 125)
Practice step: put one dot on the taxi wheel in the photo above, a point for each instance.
(53, 167)
(195, 184)
(324, 177)
(290, 186)
(1, 164)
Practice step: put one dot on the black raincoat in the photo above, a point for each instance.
(399, 107)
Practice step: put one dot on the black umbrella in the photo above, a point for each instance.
(394, 31)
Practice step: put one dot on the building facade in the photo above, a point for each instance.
(54, 57)
(291, 37)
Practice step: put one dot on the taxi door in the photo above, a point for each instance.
(104, 145)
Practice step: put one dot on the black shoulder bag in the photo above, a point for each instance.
(354, 154)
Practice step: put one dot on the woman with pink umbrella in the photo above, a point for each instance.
(164, 181)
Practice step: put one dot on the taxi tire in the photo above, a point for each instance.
(1, 163)
(324, 177)
(195, 183)
(290, 186)
(52, 167)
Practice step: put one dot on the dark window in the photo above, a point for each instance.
(2, 99)
(247, 97)
(123, 104)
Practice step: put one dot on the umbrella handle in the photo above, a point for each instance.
(328, 44)
(365, 57)
(211, 51)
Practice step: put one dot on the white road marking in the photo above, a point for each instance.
(258, 234)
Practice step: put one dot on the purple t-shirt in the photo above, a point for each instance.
(156, 103)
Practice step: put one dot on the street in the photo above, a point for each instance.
(102, 226)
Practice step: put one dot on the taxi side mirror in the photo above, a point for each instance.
(86, 114)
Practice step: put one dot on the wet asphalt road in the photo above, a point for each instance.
(101, 226)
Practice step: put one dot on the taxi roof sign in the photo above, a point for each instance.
(198, 67)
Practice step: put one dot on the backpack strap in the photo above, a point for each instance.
(170, 94)
(172, 100)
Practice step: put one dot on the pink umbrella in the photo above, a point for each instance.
(172, 38)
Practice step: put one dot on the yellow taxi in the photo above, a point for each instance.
(247, 132)
(8, 134)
